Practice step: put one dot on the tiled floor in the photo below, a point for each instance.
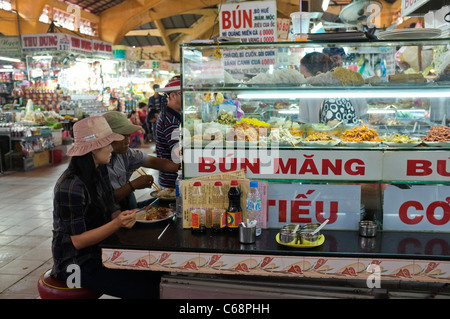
(26, 227)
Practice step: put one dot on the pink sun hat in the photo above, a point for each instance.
(92, 133)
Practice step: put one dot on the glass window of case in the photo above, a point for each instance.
(284, 93)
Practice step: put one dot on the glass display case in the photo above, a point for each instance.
(248, 106)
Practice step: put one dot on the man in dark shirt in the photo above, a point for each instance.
(167, 130)
(155, 103)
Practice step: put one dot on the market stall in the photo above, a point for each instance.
(241, 108)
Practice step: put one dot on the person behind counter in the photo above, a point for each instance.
(85, 213)
(125, 161)
(329, 110)
(166, 130)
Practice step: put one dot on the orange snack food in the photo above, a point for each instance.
(361, 134)
(438, 134)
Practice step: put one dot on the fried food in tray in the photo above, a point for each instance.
(360, 134)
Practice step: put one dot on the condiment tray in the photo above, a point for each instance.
(320, 241)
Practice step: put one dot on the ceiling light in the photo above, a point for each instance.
(9, 59)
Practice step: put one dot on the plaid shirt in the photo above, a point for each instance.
(73, 215)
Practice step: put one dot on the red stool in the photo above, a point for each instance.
(52, 288)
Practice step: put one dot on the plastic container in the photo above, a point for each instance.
(300, 22)
(254, 206)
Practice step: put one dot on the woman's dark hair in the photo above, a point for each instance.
(84, 167)
(316, 62)
(142, 105)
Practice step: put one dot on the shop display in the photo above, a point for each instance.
(255, 127)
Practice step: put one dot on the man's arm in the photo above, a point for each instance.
(161, 164)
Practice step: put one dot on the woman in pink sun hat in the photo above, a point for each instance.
(85, 213)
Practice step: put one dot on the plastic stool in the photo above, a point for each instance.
(53, 288)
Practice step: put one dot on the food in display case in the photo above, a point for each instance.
(360, 134)
(438, 134)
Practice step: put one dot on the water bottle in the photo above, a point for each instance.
(179, 198)
(254, 206)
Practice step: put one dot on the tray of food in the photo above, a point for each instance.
(151, 214)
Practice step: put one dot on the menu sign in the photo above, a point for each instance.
(302, 203)
(421, 208)
(250, 61)
(254, 21)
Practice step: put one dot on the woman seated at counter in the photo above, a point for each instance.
(85, 213)
(329, 110)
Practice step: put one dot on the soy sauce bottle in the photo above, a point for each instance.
(234, 212)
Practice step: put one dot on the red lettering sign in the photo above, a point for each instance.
(237, 19)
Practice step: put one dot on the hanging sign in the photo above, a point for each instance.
(254, 21)
(102, 48)
(421, 208)
(302, 203)
(409, 6)
(10, 46)
(46, 42)
(80, 45)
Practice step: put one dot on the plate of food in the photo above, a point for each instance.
(165, 194)
(151, 214)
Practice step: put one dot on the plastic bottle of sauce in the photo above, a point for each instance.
(234, 212)
(219, 216)
(198, 213)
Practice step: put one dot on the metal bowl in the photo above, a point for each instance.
(307, 238)
(367, 228)
(288, 236)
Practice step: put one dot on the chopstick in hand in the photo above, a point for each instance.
(153, 184)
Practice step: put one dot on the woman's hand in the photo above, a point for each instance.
(142, 182)
(126, 219)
